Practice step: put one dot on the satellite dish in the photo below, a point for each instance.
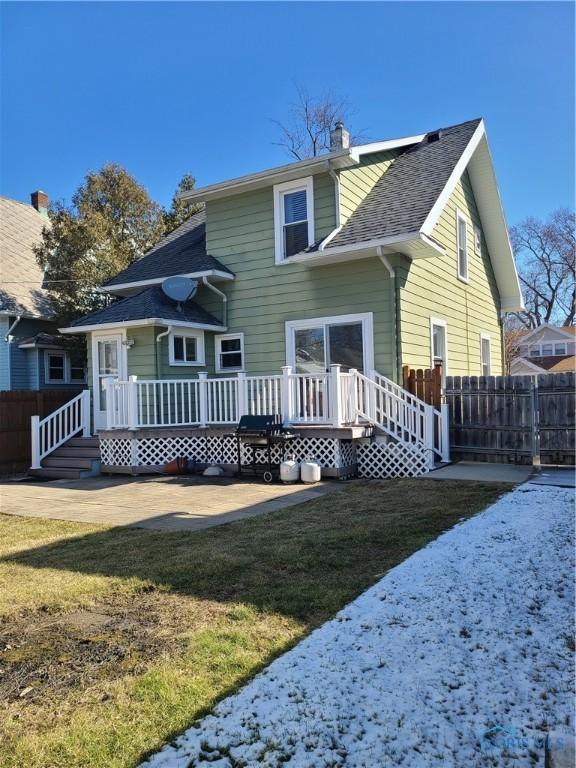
(180, 289)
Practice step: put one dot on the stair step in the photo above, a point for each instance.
(70, 462)
(58, 473)
(77, 452)
(92, 442)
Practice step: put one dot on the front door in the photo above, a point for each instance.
(108, 359)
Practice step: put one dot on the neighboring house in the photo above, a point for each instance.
(31, 351)
(370, 257)
(546, 349)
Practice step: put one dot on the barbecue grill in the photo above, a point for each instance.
(260, 434)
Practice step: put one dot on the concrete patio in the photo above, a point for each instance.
(165, 503)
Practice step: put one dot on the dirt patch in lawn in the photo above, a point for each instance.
(44, 656)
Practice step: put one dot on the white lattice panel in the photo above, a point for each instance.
(116, 452)
(379, 460)
(330, 453)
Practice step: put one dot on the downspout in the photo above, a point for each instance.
(338, 227)
(9, 331)
(156, 348)
(395, 304)
(224, 300)
(8, 341)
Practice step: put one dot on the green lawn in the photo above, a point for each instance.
(114, 640)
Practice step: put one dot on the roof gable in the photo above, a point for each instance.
(21, 278)
(402, 199)
(549, 333)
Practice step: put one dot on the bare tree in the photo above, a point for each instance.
(513, 333)
(545, 254)
(307, 132)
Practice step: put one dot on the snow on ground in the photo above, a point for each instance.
(467, 634)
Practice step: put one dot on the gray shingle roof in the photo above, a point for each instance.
(404, 195)
(151, 303)
(181, 252)
(21, 291)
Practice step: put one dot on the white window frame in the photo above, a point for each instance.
(189, 333)
(477, 241)
(218, 339)
(280, 190)
(443, 324)
(65, 367)
(488, 338)
(461, 217)
(560, 344)
(366, 318)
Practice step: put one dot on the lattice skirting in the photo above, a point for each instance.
(331, 453)
(335, 456)
(380, 460)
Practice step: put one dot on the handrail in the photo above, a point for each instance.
(59, 426)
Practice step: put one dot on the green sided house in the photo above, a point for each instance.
(303, 291)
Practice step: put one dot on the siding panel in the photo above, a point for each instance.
(431, 288)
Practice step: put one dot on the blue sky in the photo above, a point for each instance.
(165, 88)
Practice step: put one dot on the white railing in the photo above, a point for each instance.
(334, 398)
(403, 415)
(59, 426)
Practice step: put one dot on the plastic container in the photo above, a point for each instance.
(290, 471)
(310, 472)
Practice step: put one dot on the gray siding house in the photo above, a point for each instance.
(31, 352)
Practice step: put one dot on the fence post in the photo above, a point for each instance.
(535, 413)
(86, 413)
(242, 395)
(132, 403)
(445, 431)
(35, 432)
(335, 399)
(286, 395)
(110, 405)
(429, 432)
(203, 398)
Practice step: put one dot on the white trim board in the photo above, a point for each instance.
(138, 323)
(159, 280)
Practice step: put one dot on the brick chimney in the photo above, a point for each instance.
(40, 201)
(339, 138)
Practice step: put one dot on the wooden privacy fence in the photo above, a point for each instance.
(519, 419)
(424, 383)
(16, 410)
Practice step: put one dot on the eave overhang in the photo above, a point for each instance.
(121, 288)
(414, 245)
(139, 323)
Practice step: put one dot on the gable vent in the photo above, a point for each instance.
(434, 136)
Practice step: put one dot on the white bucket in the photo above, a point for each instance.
(289, 471)
(310, 472)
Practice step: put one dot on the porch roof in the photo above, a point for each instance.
(182, 252)
(150, 305)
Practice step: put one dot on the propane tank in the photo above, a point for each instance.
(290, 470)
(310, 471)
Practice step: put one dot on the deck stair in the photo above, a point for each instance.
(77, 458)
